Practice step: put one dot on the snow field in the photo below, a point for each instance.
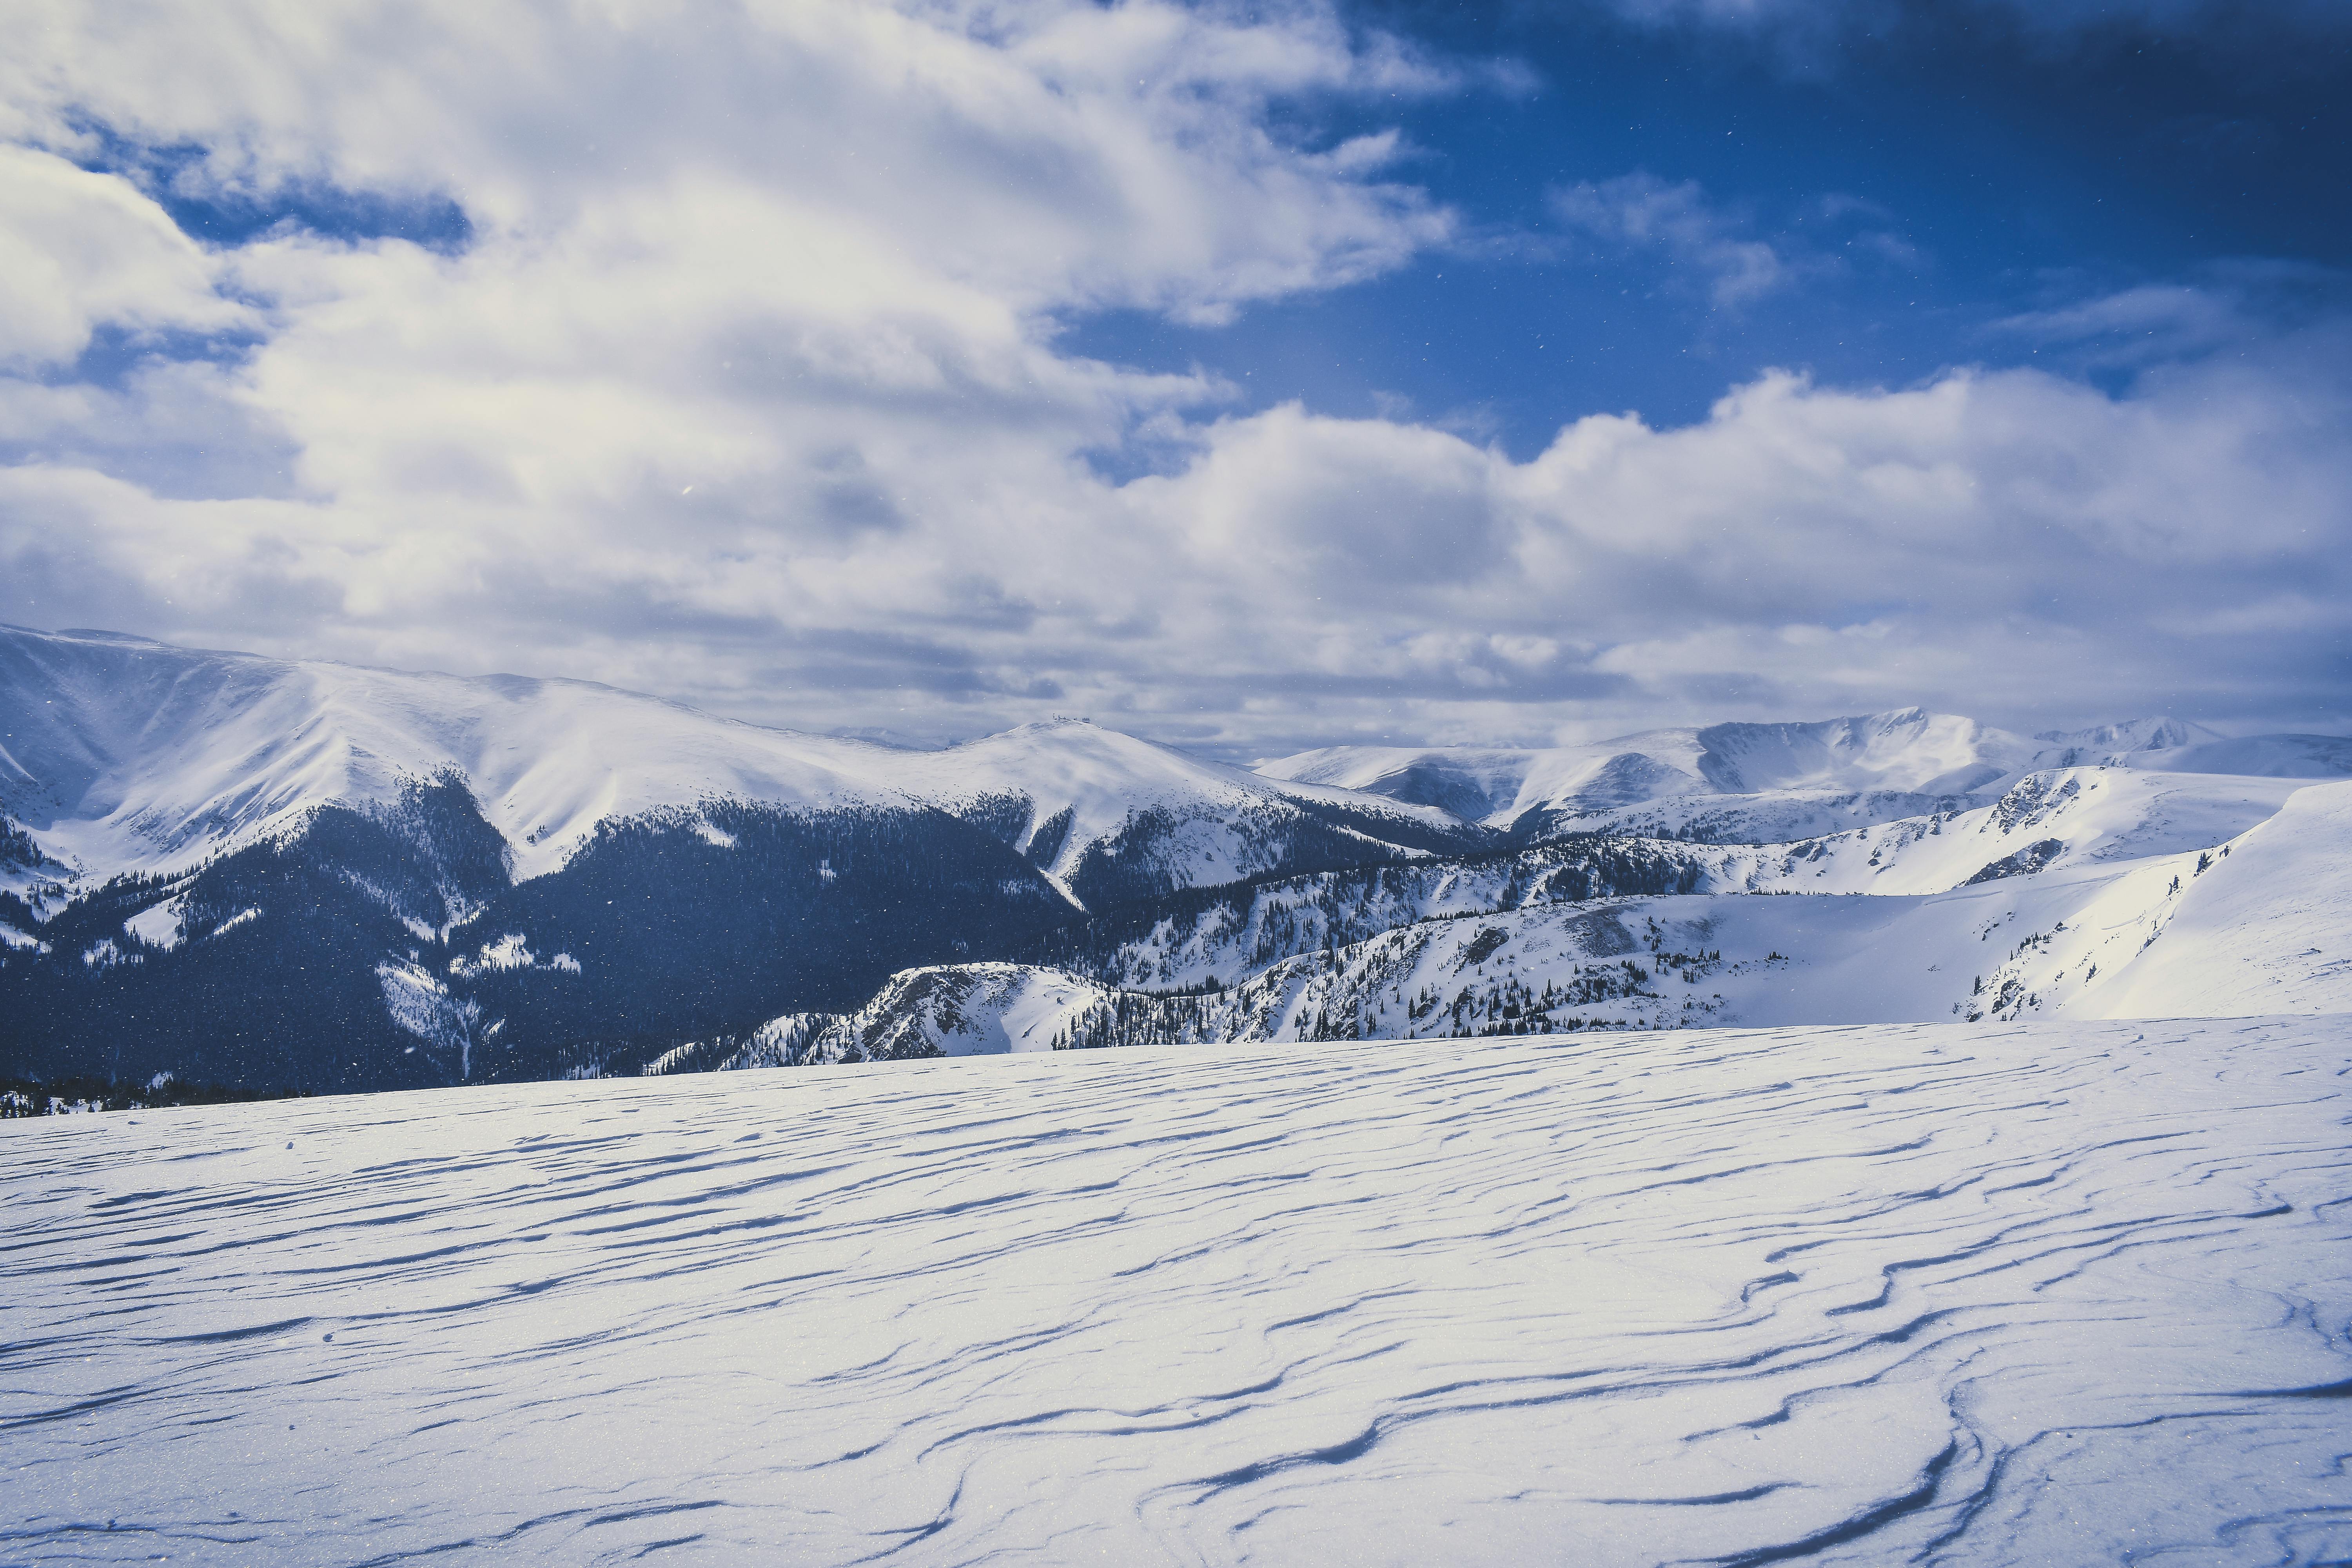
(2099, 817)
(2027, 1294)
(2264, 926)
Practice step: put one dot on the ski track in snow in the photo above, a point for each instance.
(2048, 1293)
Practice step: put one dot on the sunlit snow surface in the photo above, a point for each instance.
(2045, 1294)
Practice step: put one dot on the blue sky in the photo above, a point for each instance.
(1929, 176)
(1252, 376)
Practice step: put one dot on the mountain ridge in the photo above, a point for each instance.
(126, 755)
(1873, 767)
(276, 873)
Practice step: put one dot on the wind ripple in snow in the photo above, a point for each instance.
(2053, 1293)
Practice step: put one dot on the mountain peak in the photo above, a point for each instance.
(2156, 733)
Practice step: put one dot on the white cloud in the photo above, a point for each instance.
(1642, 212)
(80, 250)
(746, 389)
(1715, 250)
(804, 258)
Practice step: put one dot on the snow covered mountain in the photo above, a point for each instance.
(2167, 746)
(1771, 784)
(213, 862)
(118, 754)
(1909, 753)
(2260, 924)
(254, 871)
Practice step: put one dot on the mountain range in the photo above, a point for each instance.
(221, 867)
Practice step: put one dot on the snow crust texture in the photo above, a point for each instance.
(2033, 1294)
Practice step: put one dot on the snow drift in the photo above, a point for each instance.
(2044, 1293)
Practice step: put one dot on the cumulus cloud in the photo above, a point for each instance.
(2008, 543)
(80, 249)
(745, 386)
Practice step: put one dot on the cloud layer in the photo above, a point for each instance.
(743, 386)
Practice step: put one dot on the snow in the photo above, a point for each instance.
(511, 951)
(1494, 785)
(2044, 1293)
(1022, 1010)
(104, 953)
(2167, 746)
(1907, 751)
(131, 755)
(963, 1010)
(2278, 756)
(2151, 734)
(237, 919)
(2100, 815)
(1105, 780)
(2265, 929)
(1873, 767)
(2263, 924)
(1781, 816)
(157, 926)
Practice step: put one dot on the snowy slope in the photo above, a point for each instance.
(2046, 1294)
(683, 878)
(1081, 788)
(1763, 784)
(2097, 820)
(128, 754)
(1776, 816)
(2265, 929)
(2106, 743)
(2102, 813)
(2261, 924)
(2064, 818)
(1671, 962)
(962, 1010)
(2167, 746)
(1495, 786)
(123, 754)
(1905, 751)
(2273, 756)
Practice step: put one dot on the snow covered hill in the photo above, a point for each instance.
(309, 875)
(2099, 822)
(2166, 745)
(1108, 817)
(1773, 784)
(121, 754)
(2265, 927)
(2261, 924)
(130, 756)
(1908, 752)
(275, 874)
(2045, 1293)
(2046, 820)
(961, 1010)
